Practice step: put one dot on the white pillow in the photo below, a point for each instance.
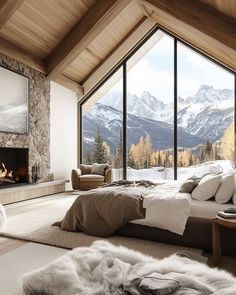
(226, 189)
(207, 187)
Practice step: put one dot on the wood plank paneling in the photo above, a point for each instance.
(38, 26)
(227, 7)
(70, 84)
(93, 22)
(105, 42)
(215, 36)
(7, 9)
(119, 54)
(21, 55)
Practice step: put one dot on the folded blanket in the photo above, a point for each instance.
(102, 212)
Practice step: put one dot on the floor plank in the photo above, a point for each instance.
(9, 244)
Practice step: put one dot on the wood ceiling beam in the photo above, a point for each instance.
(70, 84)
(21, 55)
(92, 23)
(7, 9)
(199, 25)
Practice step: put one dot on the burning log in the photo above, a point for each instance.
(6, 177)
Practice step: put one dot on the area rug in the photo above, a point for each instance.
(14, 264)
(32, 220)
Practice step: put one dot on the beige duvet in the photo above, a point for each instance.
(102, 212)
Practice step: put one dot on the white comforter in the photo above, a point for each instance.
(166, 208)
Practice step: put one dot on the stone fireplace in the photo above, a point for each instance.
(13, 166)
(36, 144)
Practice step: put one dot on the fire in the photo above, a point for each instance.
(4, 173)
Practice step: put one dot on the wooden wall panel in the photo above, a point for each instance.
(227, 7)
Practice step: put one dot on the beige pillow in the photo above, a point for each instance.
(207, 187)
(99, 169)
(85, 169)
(189, 184)
(226, 189)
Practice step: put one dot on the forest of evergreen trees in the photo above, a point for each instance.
(141, 155)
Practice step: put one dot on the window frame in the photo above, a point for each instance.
(123, 64)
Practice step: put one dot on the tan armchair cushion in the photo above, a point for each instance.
(86, 169)
(99, 169)
(91, 177)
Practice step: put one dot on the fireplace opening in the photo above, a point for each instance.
(13, 166)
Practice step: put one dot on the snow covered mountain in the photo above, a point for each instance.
(205, 115)
(109, 122)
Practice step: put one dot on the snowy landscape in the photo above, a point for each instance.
(13, 118)
(204, 125)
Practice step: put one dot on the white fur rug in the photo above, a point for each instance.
(103, 267)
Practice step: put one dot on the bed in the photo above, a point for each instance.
(171, 217)
(197, 233)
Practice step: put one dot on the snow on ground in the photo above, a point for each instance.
(161, 173)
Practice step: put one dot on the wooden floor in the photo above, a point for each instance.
(9, 244)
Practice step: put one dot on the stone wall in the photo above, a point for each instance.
(38, 138)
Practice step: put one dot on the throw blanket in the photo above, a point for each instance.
(102, 212)
(103, 268)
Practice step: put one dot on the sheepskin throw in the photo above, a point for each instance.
(102, 268)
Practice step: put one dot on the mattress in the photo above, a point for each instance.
(207, 209)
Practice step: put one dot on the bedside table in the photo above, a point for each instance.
(216, 240)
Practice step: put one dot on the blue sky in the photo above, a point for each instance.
(154, 72)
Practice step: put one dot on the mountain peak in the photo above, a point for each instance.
(146, 94)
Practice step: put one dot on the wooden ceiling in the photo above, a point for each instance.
(77, 42)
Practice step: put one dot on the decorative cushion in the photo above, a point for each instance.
(207, 187)
(99, 169)
(91, 177)
(85, 169)
(3, 216)
(226, 189)
(189, 184)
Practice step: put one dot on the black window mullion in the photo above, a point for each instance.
(124, 120)
(80, 114)
(175, 111)
(234, 118)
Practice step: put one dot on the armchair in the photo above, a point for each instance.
(91, 176)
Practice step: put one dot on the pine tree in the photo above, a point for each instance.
(131, 162)
(107, 151)
(86, 155)
(159, 162)
(190, 158)
(118, 158)
(99, 150)
(147, 150)
(227, 144)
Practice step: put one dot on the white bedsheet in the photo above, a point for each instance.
(207, 209)
(166, 208)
